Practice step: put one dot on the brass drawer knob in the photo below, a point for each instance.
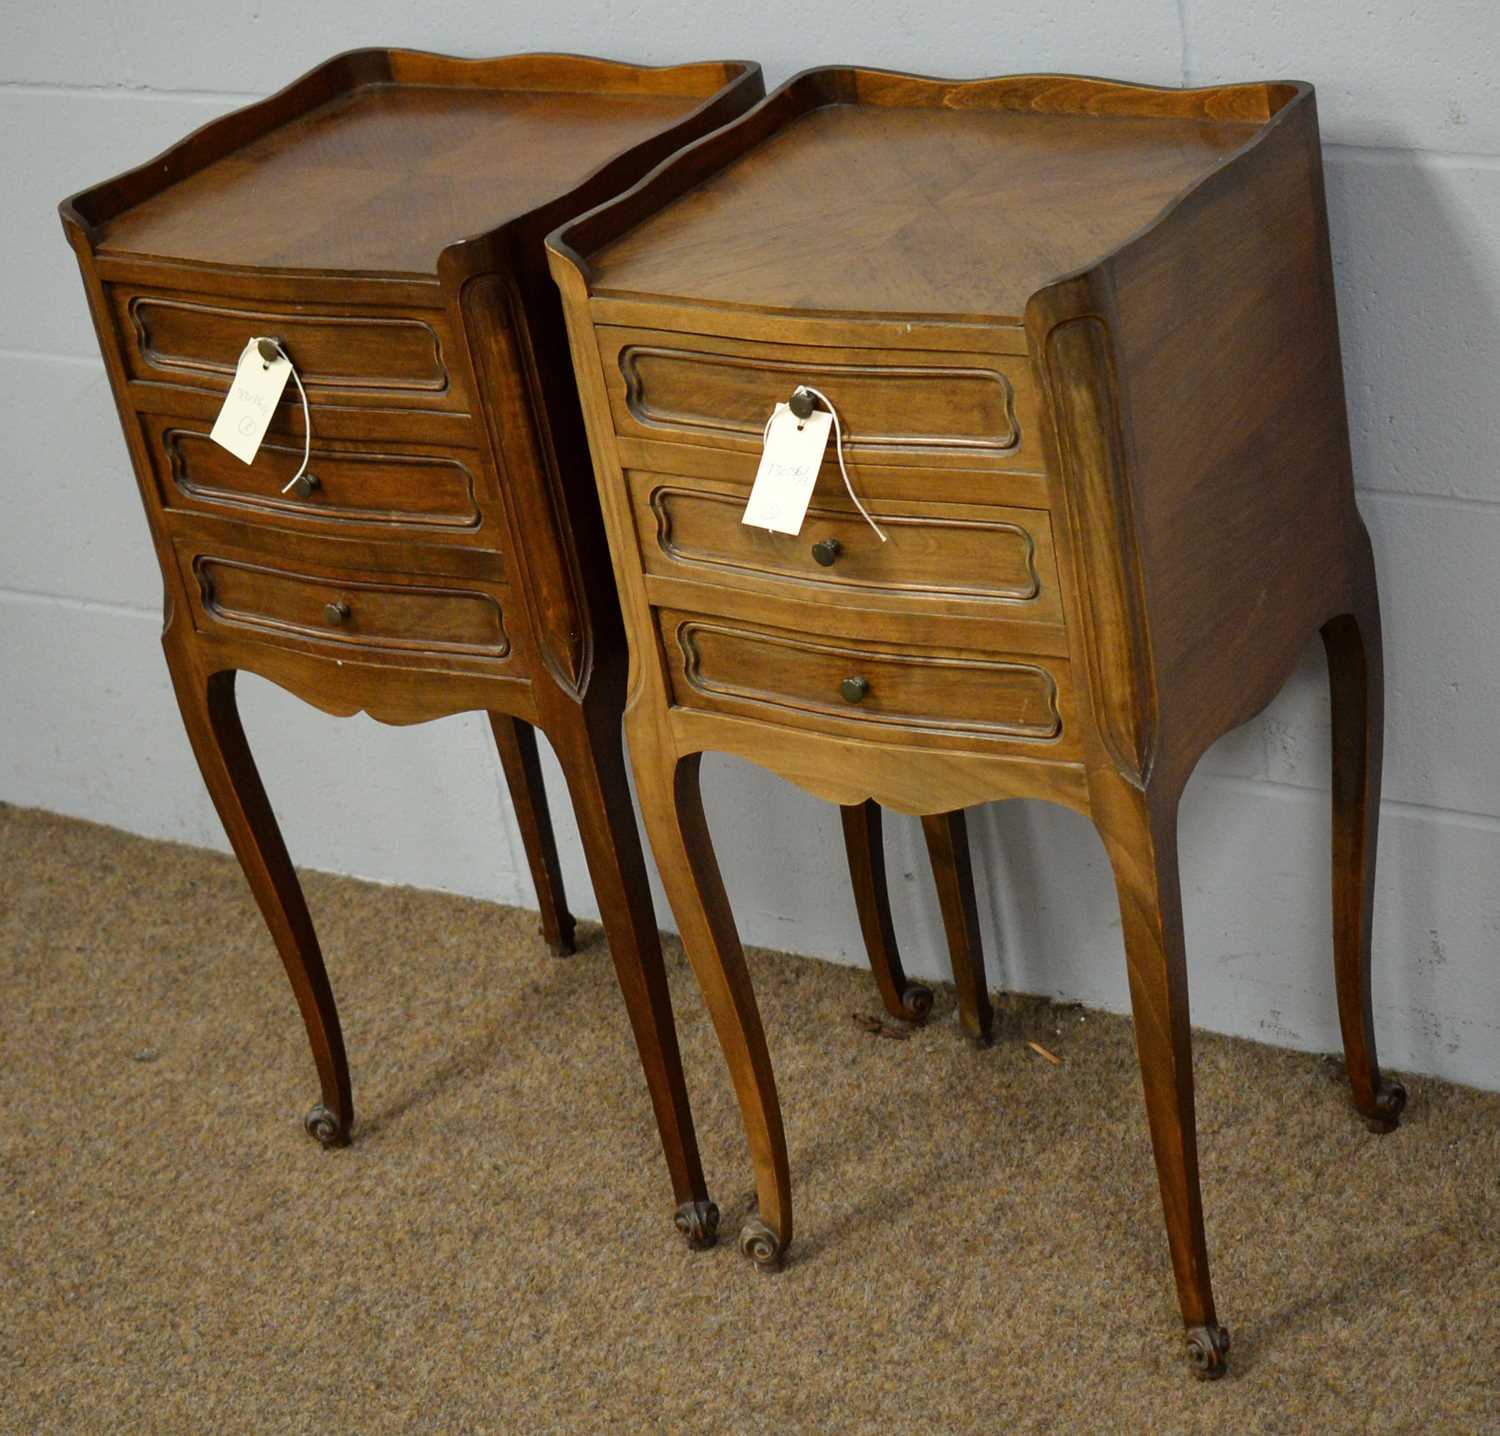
(854, 689)
(306, 485)
(825, 551)
(336, 612)
(801, 404)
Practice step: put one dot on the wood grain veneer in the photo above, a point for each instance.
(1148, 269)
(383, 217)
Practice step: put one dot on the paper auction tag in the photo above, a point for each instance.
(253, 395)
(789, 466)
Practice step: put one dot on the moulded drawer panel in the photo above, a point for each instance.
(435, 493)
(379, 357)
(997, 561)
(356, 610)
(907, 407)
(785, 676)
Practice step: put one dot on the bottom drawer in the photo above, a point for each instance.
(358, 611)
(784, 676)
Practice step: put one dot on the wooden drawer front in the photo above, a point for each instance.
(391, 358)
(776, 673)
(934, 554)
(437, 494)
(909, 407)
(379, 615)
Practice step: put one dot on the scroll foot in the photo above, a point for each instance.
(1384, 1113)
(761, 1245)
(916, 1002)
(324, 1125)
(699, 1223)
(1208, 1350)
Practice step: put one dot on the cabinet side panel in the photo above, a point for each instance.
(1232, 398)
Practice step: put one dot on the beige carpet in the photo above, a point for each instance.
(979, 1245)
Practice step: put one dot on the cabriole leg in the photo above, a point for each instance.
(947, 837)
(865, 846)
(1357, 709)
(673, 806)
(593, 762)
(1141, 837)
(516, 741)
(213, 726)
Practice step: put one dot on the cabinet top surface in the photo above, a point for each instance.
(382, 177)
(853, 207)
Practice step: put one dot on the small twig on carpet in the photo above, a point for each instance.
(878, 1028)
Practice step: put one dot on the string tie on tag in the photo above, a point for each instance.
(275, 347)
(838, 446)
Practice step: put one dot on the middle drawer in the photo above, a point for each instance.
(979, 562)
(387, 488)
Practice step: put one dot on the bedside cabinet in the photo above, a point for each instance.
(1080, 341)
(382, 219)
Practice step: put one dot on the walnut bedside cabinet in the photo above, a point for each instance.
(383, 219)
(1082, 343)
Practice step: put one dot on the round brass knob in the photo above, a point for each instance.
(269, 350)
(854, 689)
(825, 551)
(802, 404)
(336, 612)
(306, 485)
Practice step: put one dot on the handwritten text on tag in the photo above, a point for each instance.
(253, 395)
(789, 466)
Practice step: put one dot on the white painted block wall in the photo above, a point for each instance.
(1411, 117)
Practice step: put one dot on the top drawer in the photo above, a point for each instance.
(382, 357)
(900, 407)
